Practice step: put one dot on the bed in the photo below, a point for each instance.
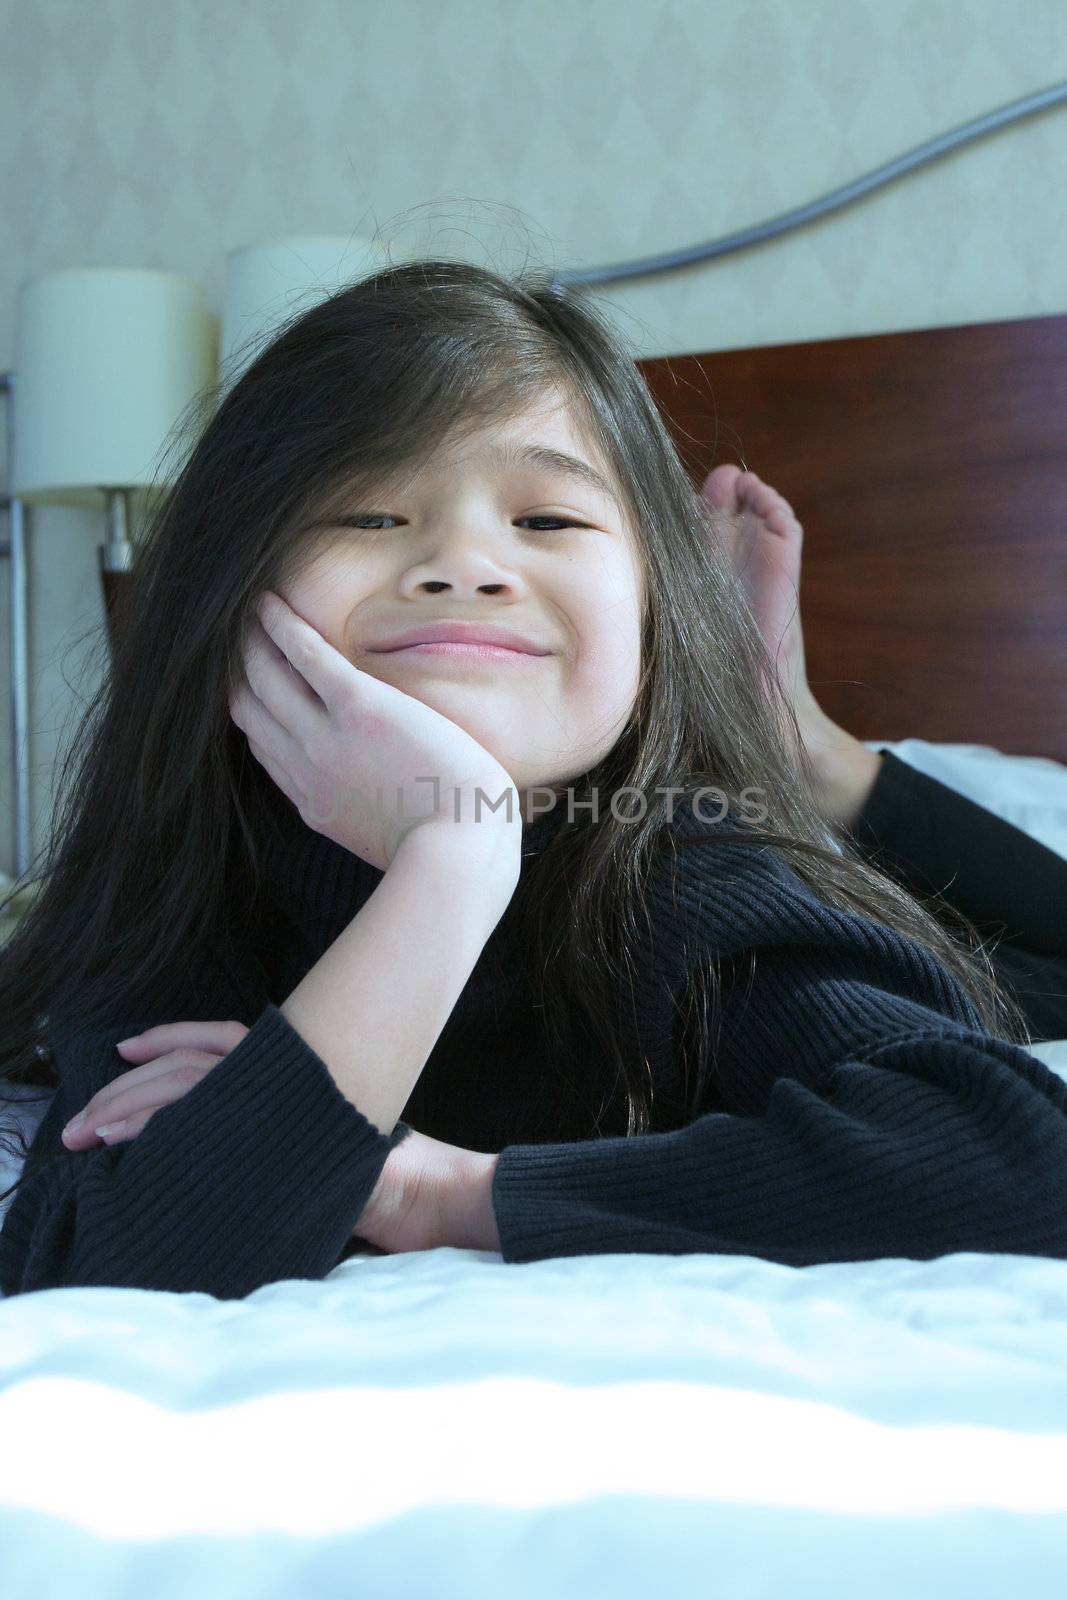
(442, 1423)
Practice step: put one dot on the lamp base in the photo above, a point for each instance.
(116, 578)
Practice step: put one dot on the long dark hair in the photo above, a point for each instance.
(157, 816)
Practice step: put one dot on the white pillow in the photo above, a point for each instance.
(27, 1117)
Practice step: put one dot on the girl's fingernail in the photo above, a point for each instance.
(130, 1040)
(109, 1129)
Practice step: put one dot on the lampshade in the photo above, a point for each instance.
(268, 285)
(106, 361)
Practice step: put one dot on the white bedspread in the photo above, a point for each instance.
(443, 1426)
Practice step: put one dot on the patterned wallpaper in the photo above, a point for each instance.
(566, 133)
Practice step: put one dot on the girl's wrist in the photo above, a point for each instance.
(469, 1221)
(490, 848)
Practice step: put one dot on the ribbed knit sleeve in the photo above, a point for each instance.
(867, 1114)
(938, 840)
(933, 839)
(258, 1173)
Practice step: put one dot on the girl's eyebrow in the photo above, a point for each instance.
(509, 456)
(557, 461)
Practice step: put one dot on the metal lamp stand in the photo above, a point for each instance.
(116, 565)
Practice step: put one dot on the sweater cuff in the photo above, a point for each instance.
(582, 1197)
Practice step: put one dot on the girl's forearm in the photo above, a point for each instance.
(373, 1006)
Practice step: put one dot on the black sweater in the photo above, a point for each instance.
(857, 1110)
(1014, 890)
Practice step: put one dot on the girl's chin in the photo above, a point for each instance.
(464, 704)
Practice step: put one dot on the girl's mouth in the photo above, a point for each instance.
(465, 652)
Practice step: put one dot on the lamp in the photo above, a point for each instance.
(268, 285)
(106, 361)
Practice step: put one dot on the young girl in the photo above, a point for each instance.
(655, 1004)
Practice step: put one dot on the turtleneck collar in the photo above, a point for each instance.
(309, 871)
(536, 834)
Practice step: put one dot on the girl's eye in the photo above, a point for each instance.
(376, 516)
(562, 522)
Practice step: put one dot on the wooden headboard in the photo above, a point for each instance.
(929, 471)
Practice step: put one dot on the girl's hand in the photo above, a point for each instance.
(174, 1057)
(428, 1194)
(356, 756)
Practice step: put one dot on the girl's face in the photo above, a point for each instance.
(524, 545)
